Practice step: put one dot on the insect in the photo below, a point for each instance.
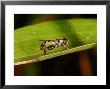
(51, 44)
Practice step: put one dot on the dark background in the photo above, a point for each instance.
(74, 64)
(21, 20)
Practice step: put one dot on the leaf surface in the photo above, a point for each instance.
(82, 35)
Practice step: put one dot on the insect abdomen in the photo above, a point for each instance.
(50, 47)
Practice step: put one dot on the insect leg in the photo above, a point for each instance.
(66, 47)
(45, 51)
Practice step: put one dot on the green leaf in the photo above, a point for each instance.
(72, 50)
(81, 33)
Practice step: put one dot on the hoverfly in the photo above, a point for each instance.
(51, 44)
